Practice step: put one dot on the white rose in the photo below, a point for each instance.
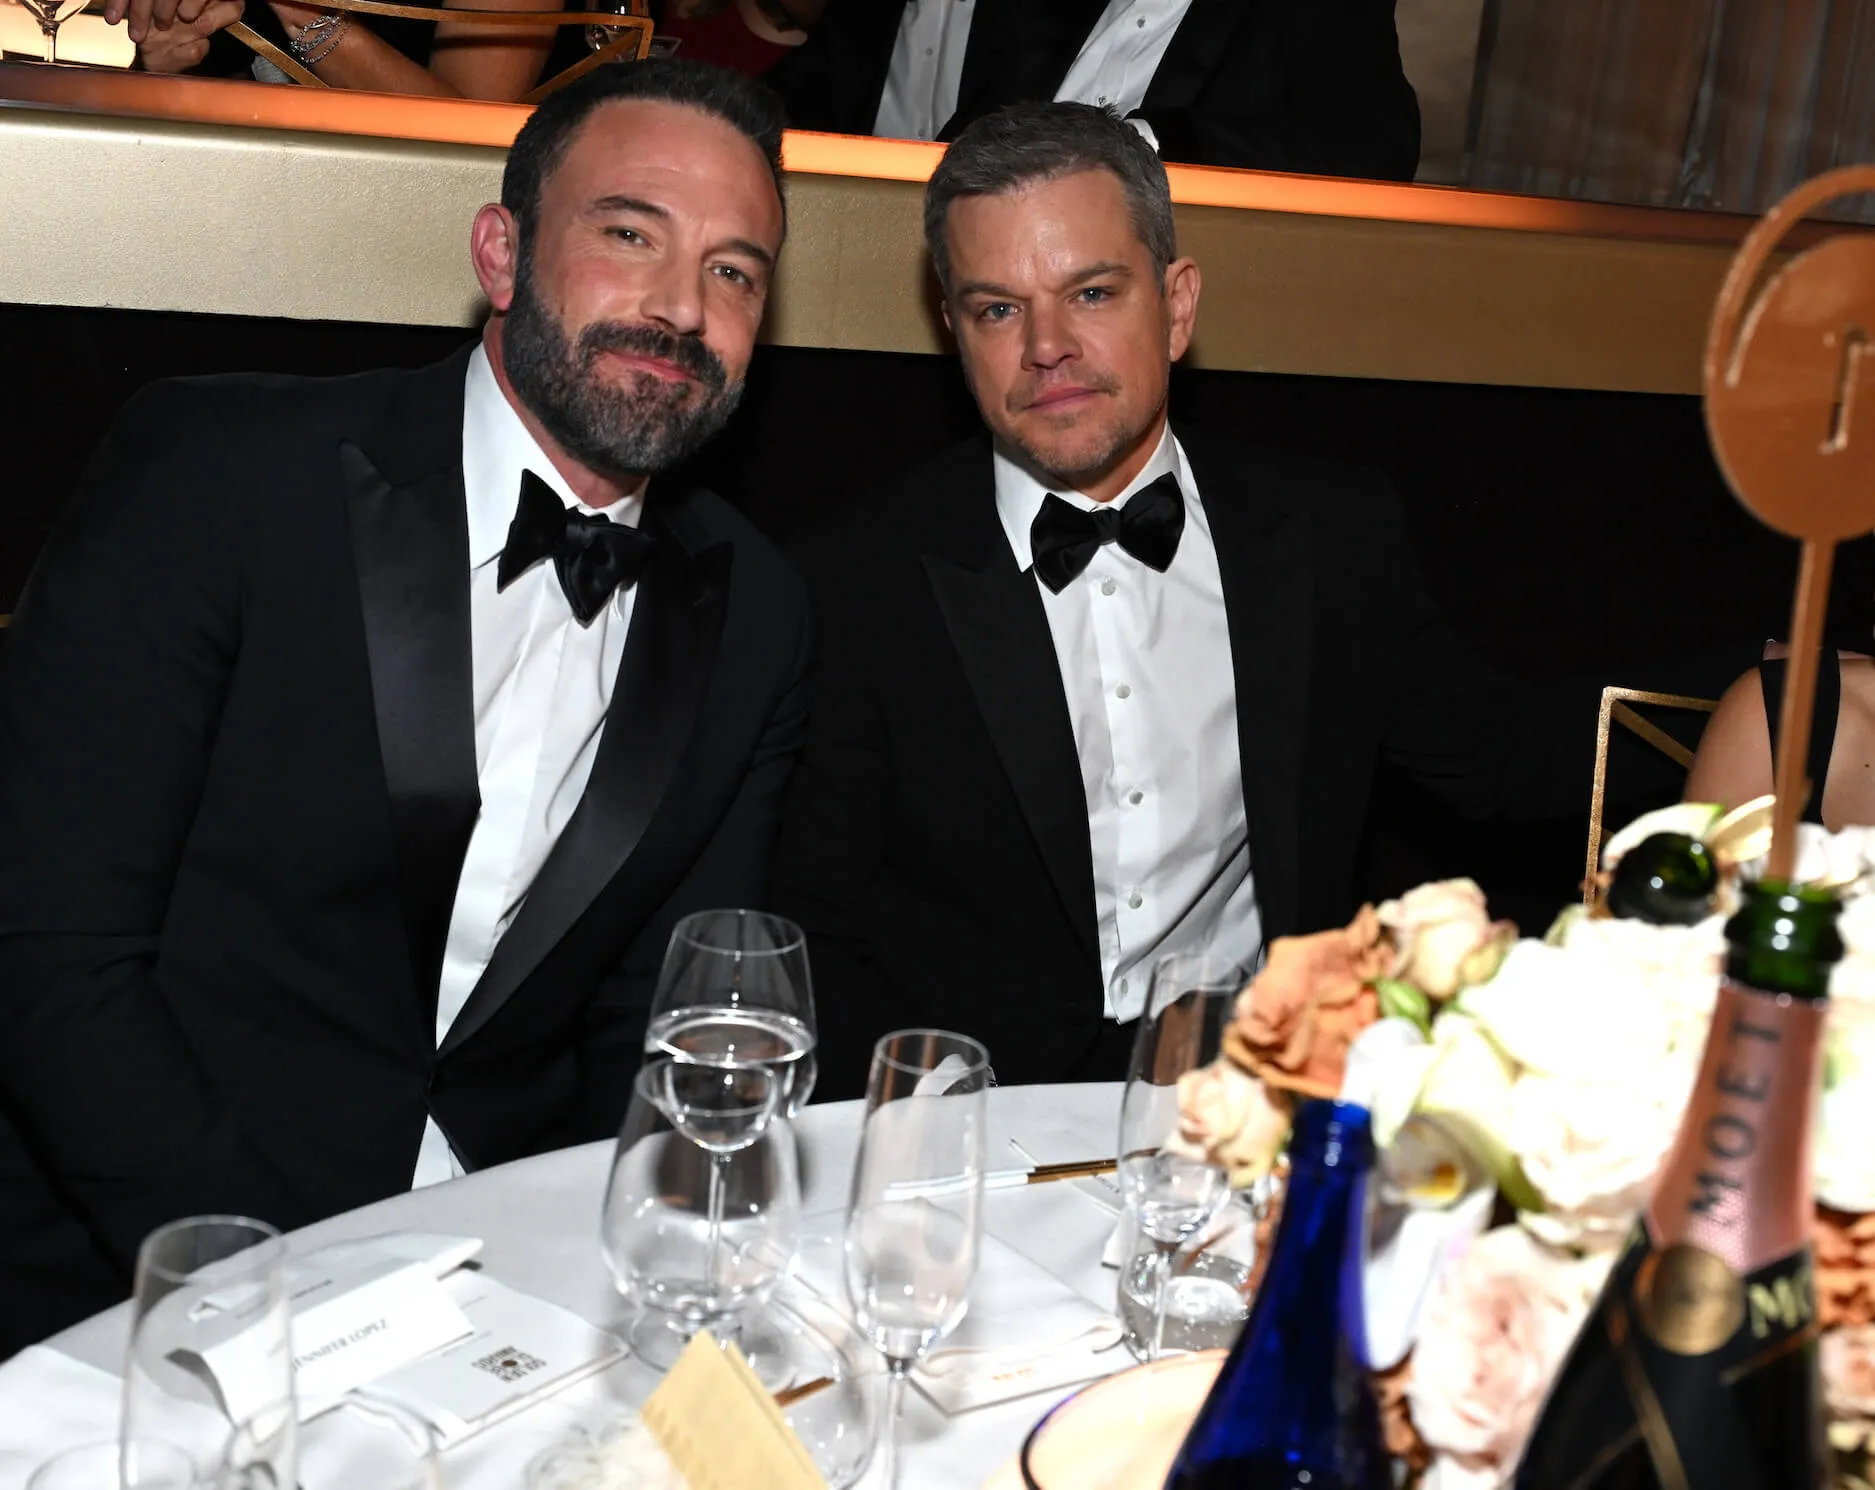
(1226, 1117)
(1494, 1334)
(1444, 936)
(1844, 1163)
(1592, 1151)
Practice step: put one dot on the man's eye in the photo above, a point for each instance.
(733, 275)
(627, 235)
(1094, 294)
(996, 312)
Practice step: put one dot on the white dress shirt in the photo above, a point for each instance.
(1145, 661)
(1121, 54)
(926, 70)
(542, 685)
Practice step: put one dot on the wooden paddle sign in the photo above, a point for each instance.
(1790, 406)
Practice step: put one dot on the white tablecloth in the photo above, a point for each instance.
(539, 1221)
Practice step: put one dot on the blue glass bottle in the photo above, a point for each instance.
(1293, 1407)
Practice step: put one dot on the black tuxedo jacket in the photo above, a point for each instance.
(1314, 86)
(935, 844)
(237, 780)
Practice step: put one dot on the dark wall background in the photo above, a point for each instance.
(1565, 533)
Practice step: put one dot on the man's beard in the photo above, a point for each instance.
(645, 426)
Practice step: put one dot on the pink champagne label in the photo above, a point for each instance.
(1737, 1182)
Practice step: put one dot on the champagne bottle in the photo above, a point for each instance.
(1292, 1408)
(1667, 878)
(1698, 1368)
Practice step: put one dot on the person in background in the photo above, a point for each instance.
(362, 739)
(379, 54)
(1101, 686)
(746, 36)
(1276, 85)
(1737, 754)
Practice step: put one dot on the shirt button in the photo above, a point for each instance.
(1136, 798)
(1141, 23)
(1123, 985)
(1107, 587)
(1135, 900)
(1123, 691)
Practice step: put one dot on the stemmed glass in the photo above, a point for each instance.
(359, 1443)
(703, 1207)
(123, 1464)
(51, 14)
(1173, 1196)
(210, 1342)
(916, 1216)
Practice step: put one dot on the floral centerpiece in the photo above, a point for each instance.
(1563, 1067)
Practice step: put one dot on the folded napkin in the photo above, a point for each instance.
(49, 1403)
(1026, 1330)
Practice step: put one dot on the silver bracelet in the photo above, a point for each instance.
(319, 36)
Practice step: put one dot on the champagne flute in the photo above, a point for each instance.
(51, 14)
(916, 1216)
(702, 1209)
(735, 990)
(1173, 1195)
(361, 1442)
(210, 1342)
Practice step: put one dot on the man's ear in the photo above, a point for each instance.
(1183, 283)
(495, 251)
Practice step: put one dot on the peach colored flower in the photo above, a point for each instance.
(1848, 1361)
(1844, 1250)
(1228, 1117)
(1296, 1020)
(1444, 937)
(1494, 1334)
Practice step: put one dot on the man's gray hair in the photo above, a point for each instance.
(1031, 142)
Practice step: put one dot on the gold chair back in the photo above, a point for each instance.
(1618, 709)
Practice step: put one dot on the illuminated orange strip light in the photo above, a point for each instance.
(215, 101)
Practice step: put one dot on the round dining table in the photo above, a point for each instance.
(538, 1221)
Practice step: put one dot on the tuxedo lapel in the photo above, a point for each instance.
(1188, 61)
(1263, 558)
(670, 653)
(994, 614)
(410, 544)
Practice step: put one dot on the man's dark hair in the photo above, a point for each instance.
(1031, 142)
(744, 104)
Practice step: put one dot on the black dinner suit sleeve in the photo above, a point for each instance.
(732, 871)
(1313, 86)
(118, 662)
(833, 81)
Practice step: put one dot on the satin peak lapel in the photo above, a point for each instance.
(670, 655)
(410, 543)
(996, 622)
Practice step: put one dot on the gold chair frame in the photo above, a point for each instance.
(1617, 708)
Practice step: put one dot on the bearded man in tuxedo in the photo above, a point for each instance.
(362, 739)
(1100, 686)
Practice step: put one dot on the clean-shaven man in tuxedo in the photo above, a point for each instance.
(1098, 687)
(1313, 86)
(361, 739)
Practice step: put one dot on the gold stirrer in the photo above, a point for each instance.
(1790, 377)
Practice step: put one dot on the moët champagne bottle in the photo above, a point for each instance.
(1698, 1368)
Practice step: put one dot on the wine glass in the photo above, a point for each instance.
(121, 1464)
(735, 990)
(1173, 1195)
(209, 1337)
(361, 1442)
(703, 1207)
(916, 1216)
(51, 14)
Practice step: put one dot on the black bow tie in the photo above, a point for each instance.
(592, 554)
(1065, 538)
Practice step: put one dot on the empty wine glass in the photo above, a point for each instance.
(209, 1338)
(361, 1442)
(916, 1216)
(121, 1464)
(735, 990)
(703, 1206)
(51, 14)
(1173, 1195)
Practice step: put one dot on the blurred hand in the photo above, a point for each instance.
(181, 43)
(145, 16)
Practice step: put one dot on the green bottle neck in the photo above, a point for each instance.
(1783, 939)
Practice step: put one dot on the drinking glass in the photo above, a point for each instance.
(358, 1443)
(209, 1336)
(735, 990)
(703, 1207)
(916, 1216)
(1173, 1196)
(51, 14)
(122, 1464)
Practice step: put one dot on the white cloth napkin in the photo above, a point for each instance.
(1026, 1330)
(49, 1403)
